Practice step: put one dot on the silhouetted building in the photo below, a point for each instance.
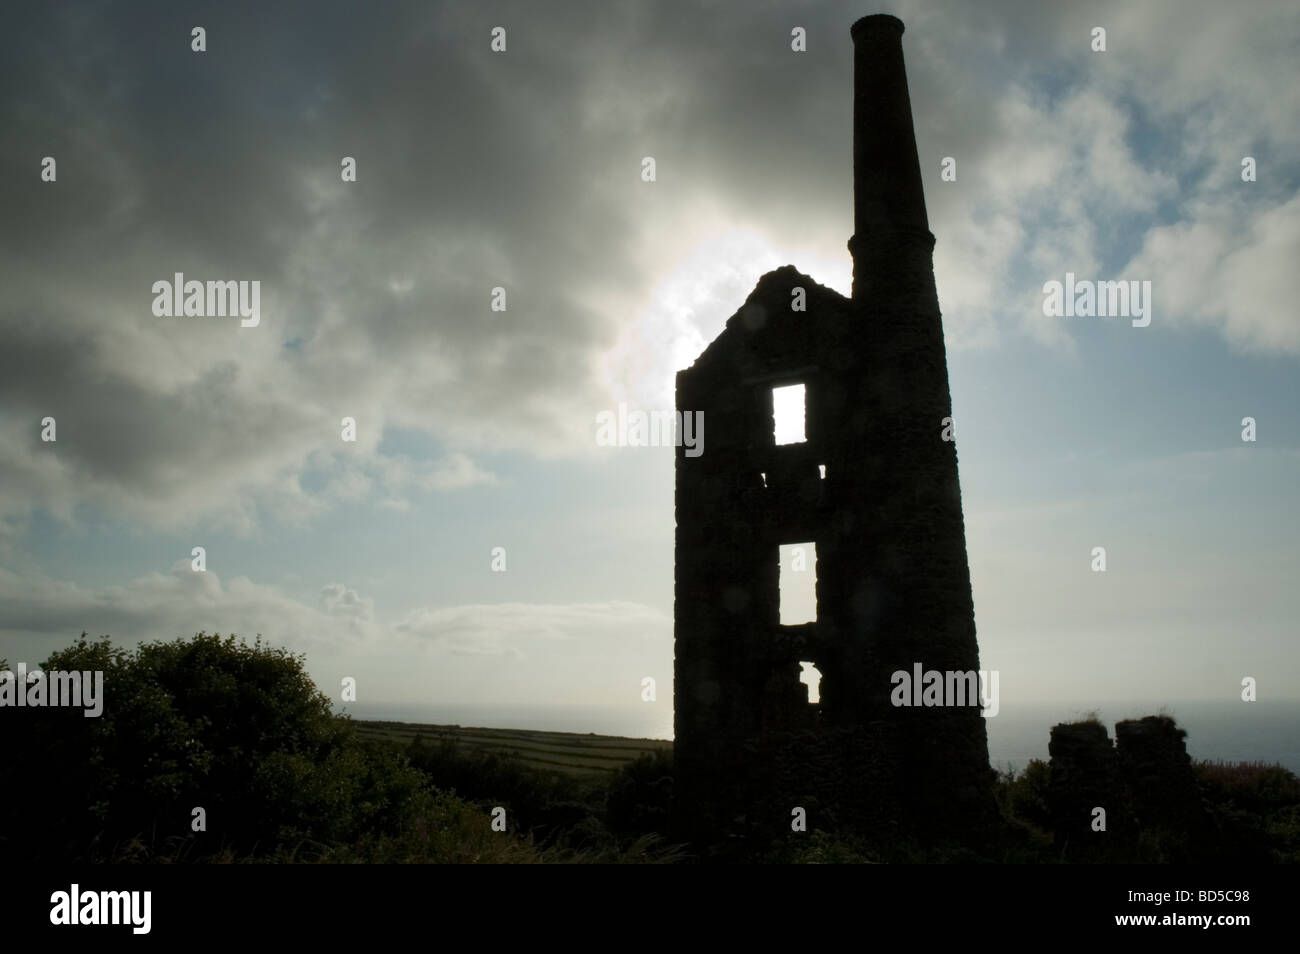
(873, 486)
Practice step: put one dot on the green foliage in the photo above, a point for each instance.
(1257, 808)
(564, 818)
(639, 798)
(211, 722)
(823, 848)
(241, 731)
(541, 803)
(447, 830)
(1024, 796)
(1023, 801)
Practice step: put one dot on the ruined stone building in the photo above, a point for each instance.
(873, 486)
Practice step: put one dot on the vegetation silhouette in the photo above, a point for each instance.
(241, 731)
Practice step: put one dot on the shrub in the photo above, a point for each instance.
(639, 798)
(544, 804)
(1023, 796)
(238, 730)
(1257, 806)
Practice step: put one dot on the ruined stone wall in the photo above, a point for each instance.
(892, 581)
(1145, 783)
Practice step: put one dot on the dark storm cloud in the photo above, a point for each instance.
(475, 170)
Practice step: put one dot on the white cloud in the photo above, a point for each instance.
(183, 602)
(1226, 270)
(514, 628)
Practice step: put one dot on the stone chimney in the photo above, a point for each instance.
(889, 217)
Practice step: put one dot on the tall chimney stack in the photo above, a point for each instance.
(889, 217)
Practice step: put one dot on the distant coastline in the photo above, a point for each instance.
(1217, 731)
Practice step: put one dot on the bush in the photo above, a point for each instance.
(1257, 807)
(241, 731)
(210, 722)
(543, 804)
(639, 798)
(621, 819)
(1023, 796)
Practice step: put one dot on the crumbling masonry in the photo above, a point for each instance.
(1145, 785)
(874, 487)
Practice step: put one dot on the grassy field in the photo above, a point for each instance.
(566, 752)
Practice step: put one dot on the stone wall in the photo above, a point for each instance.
(1145, 784)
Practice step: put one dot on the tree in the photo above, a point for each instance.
(211, 722)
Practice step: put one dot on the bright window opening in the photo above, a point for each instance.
(812, 679)
(798, 583)
(788, 412)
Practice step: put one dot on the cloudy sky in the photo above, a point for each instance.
(475, 428)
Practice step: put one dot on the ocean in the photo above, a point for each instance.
(1220, 731)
